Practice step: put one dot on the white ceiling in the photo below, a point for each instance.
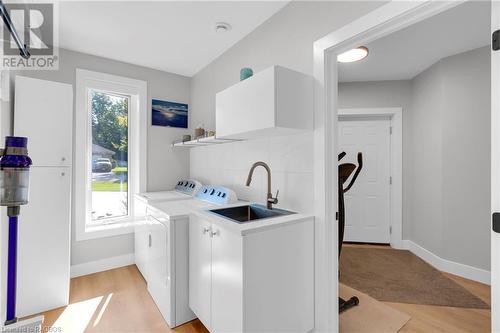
(173, 36)
(406, 53)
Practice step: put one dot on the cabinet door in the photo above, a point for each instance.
(44, 113)
(44, 242)
(159, 267)
(247, 106)
(200, 269)
(227, 282)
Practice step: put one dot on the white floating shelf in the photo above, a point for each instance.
(209, 140)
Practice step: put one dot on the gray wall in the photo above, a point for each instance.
(466, 157)
(451, 155)
(446, 153)
(285, 39)
(165, 165)
(426, 149)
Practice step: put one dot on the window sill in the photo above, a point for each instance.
(106, 230)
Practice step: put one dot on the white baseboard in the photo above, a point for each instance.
(465, 271)
(102, 265)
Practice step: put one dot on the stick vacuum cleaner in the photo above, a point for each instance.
(14, 190)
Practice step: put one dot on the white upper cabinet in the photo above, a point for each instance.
(275, 101)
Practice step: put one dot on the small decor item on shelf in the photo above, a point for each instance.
(199, 131)
(186, 137)
(211, 133)
(245, 73)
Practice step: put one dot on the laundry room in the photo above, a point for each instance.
(249, 166)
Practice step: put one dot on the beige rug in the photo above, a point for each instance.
(370, 316)
(400, 276)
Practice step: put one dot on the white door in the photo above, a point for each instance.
(43, 264)
(200, 269)
(227, 281)
(367, 203)
(495, 171)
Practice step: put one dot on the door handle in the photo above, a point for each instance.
(495, 222)
(150, 240)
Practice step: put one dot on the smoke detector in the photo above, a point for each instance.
(221, 27)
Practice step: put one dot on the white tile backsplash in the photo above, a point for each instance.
(289, 157)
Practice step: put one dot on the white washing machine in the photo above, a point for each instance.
(162, 245)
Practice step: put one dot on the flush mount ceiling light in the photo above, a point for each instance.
(353, 55)
(221, 27)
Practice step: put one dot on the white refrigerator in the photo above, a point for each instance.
(43, 112)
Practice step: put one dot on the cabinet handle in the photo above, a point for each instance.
(205, 230)
(150, 240)
(215, 233)
(63, 159)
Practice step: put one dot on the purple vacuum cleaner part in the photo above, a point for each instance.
(16, 160)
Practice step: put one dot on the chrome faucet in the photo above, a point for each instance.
(270, 200)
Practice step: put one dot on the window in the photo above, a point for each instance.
(109, 163)
(110, 138)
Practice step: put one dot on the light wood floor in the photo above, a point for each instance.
(112, 301)
(118, 301)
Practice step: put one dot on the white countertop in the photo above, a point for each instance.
(255, 226)
(184, 208)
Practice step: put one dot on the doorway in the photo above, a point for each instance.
(378, 24)
(378, 133)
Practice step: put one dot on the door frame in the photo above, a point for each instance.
(495, 165)
(382, 21)
(396, 164)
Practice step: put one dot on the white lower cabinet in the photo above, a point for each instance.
(262, 281)
(200, 269)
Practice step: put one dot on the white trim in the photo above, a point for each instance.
(102, 265)
(382, 21)
(138, 126)
(396, 196)
(448, 266)
(495, 166)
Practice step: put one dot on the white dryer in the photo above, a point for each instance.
(184, 189)
(162, 245)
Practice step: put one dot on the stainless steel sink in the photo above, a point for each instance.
(249, 213)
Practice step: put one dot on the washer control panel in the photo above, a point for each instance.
(216, 194)
(188, 186)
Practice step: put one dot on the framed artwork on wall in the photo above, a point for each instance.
(169, 114)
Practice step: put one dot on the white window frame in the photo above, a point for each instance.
(137, 165)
